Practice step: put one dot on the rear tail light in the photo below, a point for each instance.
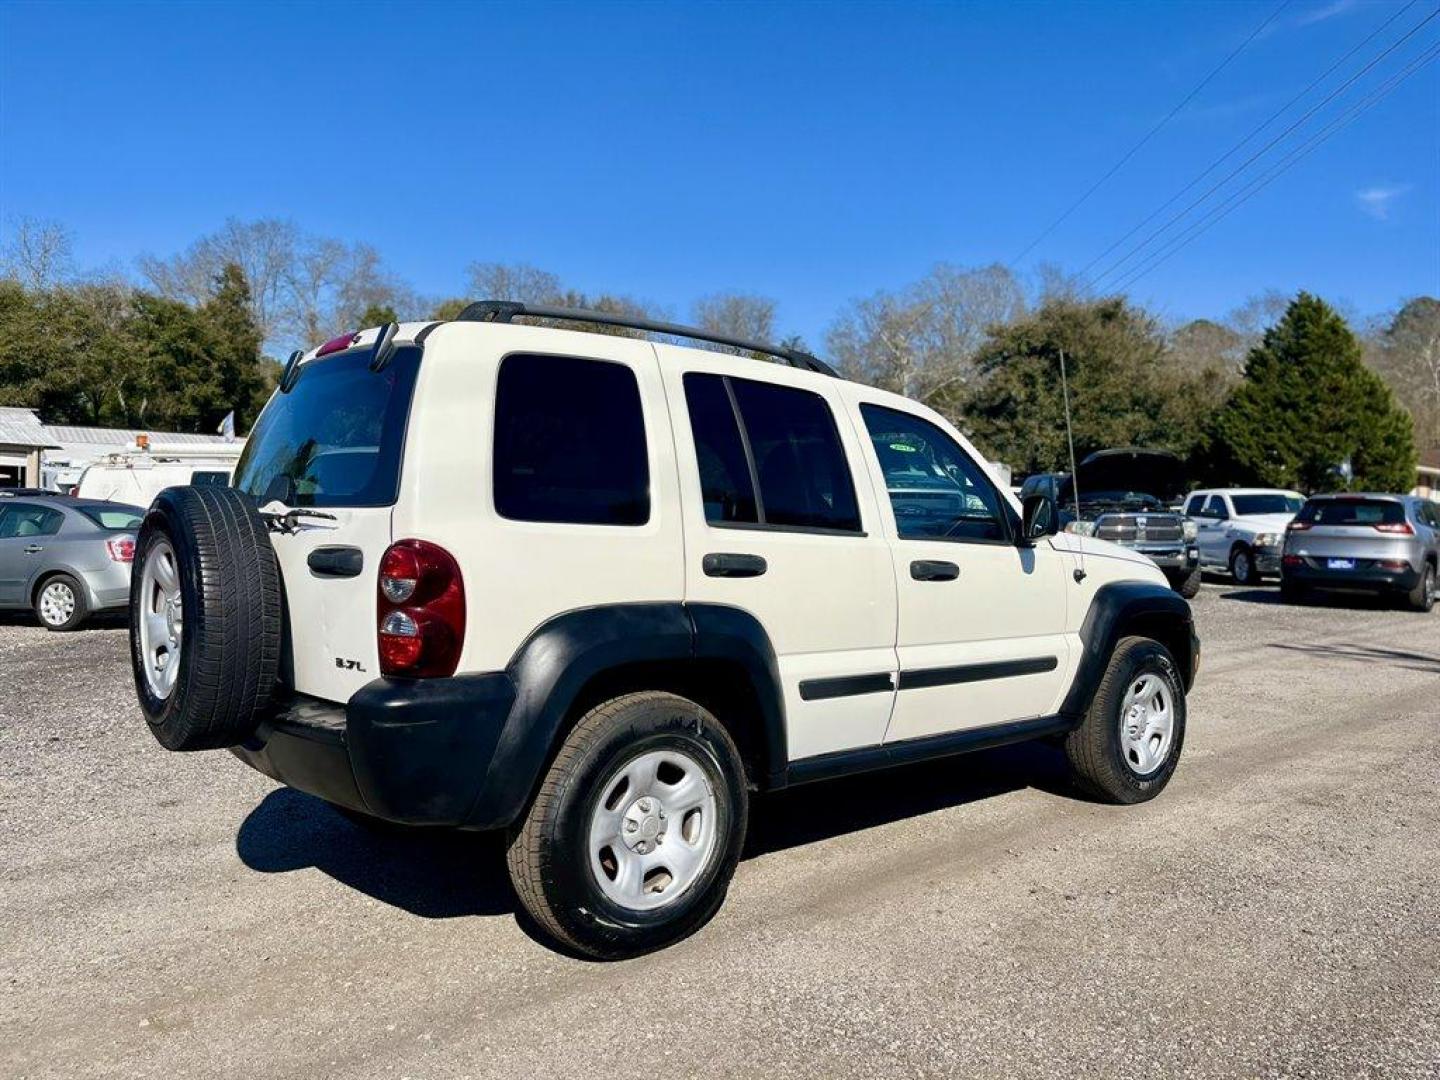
(121, 549)
(1297, 526)
(1398, 528)
(1292, 560)
(421, 619)
(1394, 564)
(337, 344)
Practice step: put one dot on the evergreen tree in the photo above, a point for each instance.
(378, 315)
(1306, 404)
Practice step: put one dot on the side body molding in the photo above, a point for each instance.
(552, 667)
(1122, 608)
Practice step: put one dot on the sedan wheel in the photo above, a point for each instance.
(60, 603)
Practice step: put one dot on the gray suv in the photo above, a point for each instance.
(1375, 543)
(65, 558)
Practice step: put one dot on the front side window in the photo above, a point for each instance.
(936, 490)
(1215, 508)
(18, 521)
(1193, 504)
(570, 442)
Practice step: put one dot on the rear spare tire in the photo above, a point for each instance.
(205, 618)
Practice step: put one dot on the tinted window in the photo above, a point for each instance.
(217, 479)
(725, 483)
(1275, 503)
(22, 520)
(1215, 507)
(113, 517)
(804, 479)
(336, 438)
(1193, 504)
(936, 490)
(1352, 512)
(570, 442)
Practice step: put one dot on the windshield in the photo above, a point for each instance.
(113, 517)
(336, 438)
(1273, 503)
(1353, 512)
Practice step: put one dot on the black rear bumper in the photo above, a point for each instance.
(410, 751)
(1366, 579)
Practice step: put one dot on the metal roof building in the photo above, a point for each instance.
(22, 440)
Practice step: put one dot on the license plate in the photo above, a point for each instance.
(1340, 564)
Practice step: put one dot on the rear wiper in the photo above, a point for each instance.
(289, 521)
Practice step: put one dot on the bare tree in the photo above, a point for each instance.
(737, 314)
(921, 341)
(1407, 354)
(519, 282)
(37, 254)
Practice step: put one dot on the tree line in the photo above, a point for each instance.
(1281, 391)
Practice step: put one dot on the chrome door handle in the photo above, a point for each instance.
(31, 549)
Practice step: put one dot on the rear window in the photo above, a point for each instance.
(570, 442)
(1352, 512)
(112, 517)
(202, 478)
(1266, 504)
(336, 438)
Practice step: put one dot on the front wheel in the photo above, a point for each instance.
(631, 841)
(1128, 746)
(1242, 566)
(1187, 583)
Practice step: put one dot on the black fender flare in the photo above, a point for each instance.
(552, 667)
(1118, 609)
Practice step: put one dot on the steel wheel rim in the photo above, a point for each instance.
(653, 830)
(161, 618)
(1147, 724)
(57, 603)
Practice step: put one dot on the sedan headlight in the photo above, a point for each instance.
(1081, 528)
(1189, 530)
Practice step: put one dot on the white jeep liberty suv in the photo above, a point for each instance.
(594, 590)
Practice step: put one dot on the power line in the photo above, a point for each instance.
(1255, 131)
(1108, 271)
(1245, 194)
(1151, 133)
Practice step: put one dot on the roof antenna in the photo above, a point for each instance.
(1074, 472)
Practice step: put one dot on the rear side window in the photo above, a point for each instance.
(1352, 512)
(336, 438)
(570, 442)
(113, 517)
(202, 478)
(23, 520)
(794, 456)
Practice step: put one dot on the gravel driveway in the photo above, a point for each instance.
(1276, 912)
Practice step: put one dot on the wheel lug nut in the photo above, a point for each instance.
(644, 806)
(630, 826)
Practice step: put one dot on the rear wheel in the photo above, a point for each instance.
(631, 841)
(1128, 746)
(205, 616)
(1422, 597)
(60, 603)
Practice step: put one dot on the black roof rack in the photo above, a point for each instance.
(504, 311)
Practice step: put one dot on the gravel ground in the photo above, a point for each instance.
(1276, 912)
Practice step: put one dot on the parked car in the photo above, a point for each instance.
(1241, 530)
(1125, 497)
(594, 590)
(65, 558)
(1375, 543)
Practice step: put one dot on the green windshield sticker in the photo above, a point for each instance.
(904, 448)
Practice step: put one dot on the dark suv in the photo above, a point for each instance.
(1125, 497)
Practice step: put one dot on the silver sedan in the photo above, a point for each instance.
(65, 558)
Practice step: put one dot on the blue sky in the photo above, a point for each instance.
(813, 153)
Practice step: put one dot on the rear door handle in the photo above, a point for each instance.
(933, 570)
(725, 564)
(31, 549)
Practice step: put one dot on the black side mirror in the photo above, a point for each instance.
(1040, 518)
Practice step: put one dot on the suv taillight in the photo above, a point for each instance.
(421, 619)
(121, 549)
(1397, 528)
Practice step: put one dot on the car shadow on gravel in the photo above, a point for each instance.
(105, 620)
(813, 812)
(1356, 601)
(1370, 654)
(447, 874)
(433, 873)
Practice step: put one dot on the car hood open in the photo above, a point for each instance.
(1151, 472)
